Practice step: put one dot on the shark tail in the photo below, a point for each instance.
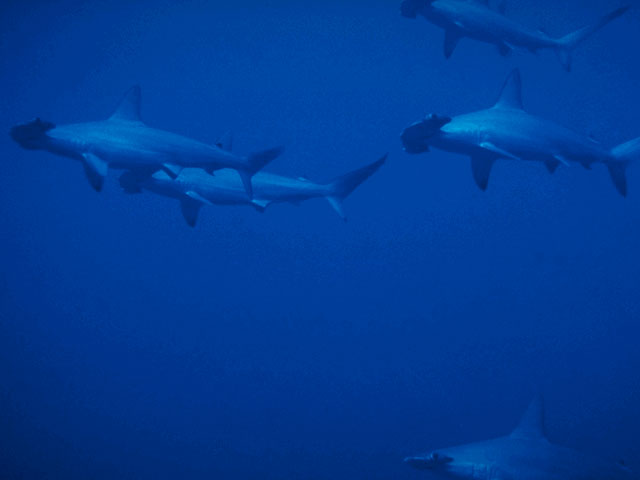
(623, 155)
(568, 43)
(255, 163)
(341, 187)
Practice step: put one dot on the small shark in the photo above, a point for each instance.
(475, 19)
(506, 131)
(194, 187)
(123, 141)
(525, 454)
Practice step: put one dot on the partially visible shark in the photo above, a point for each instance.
(506, 131)
(475, 19)
(525, 454)
(123, 141)
(194, 187)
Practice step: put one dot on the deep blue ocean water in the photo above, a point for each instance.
(290, 344)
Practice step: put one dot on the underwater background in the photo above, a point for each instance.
(290, 344)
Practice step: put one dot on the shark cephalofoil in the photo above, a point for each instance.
(506, 131)
(123, 141)
(194, 187)
(525, 454)
(475, 19)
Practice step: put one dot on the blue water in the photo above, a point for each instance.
(290, 344)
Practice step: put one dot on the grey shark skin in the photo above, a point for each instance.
(124, 142)
(194, 188)
(506, 131)
(475, 19)
(525, 454)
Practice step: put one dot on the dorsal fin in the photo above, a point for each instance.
(532, 423)
(511, 93)
(129, 108)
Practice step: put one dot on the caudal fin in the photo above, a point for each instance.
(255, 163)
(623, 155)
(341, 187)
(568, 43)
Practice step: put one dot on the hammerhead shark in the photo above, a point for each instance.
(475, 19)
(194, 187)
(123, 141)
(506, 131)
(525, 454)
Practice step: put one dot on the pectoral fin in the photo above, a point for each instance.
(260, 205)
(336, 204)
(190, 209)
(562, 160)
(481, 168)
(451, 39)
(96, 170)
(617, 172)
(490, 147)
(197, 197)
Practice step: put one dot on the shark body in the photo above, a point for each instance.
(475, 19)
(123, 141)
(507, 131)
(525, 454)
(194, 187)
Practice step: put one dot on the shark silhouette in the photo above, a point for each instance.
(507, 131)
(123, 141)
(525, 454)
(475, 19)
(194, 187)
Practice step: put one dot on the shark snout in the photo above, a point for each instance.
(30, 135)
(413, 139)
(428, 462)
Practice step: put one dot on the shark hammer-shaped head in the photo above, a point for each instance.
(457, 463)
(31, 135)
(415, 137)
(431, 461)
